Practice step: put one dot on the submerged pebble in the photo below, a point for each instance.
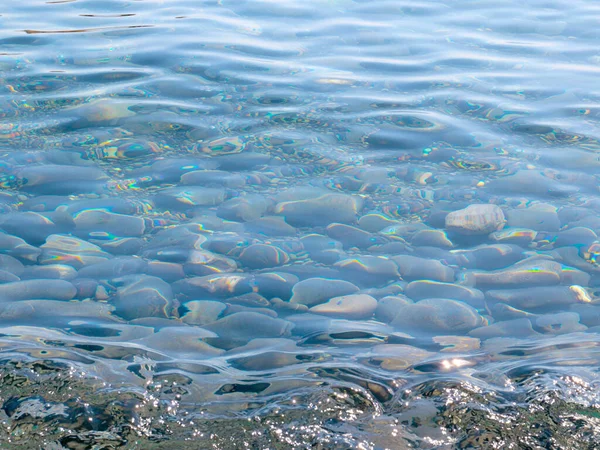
(437, 315)
(415, 268)
(314, 291)
(421, 289)
(203, 312)
(356, 306)
(144, 296)
(539, 297)
(263, 256)
(527, 273)
(248, 325)
(390, 306)
(320, 211)
(559, 323)
(476, 219)
(37, 289)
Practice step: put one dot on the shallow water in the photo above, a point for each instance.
(186, 186)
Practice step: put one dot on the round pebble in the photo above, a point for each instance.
(476, 219)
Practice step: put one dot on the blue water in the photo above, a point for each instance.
(186, 186)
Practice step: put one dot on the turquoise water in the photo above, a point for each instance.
(320, 224)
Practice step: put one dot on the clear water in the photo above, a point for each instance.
(171, 170)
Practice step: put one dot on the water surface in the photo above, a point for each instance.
(187, 185)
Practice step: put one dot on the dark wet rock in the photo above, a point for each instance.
(432, 238)
(320, 211)
(314, 291)
(421, 289)
(144, 296)
(274, 284)
(351, 236)
(50, 271)
(437, 315)
(476, 219)
(517, 328)
(37, 289)
(537, 217)
(540, 297)
(203, 312)
(527, 273)
(250, 325)
(270, 226)
(354, 306)
(263, 256)
(244, 209)
(489, 257)
(559, 323)
(414, 268)
(389, 307)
